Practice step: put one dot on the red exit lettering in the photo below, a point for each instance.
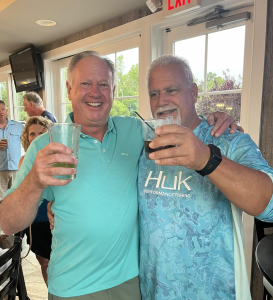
(178, 3)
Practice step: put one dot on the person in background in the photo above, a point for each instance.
(10, 149)
(39, 229)
(95, 239)
(191, 197)
(34, 106)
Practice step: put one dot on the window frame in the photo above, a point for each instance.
(178, 33)
(7, 78)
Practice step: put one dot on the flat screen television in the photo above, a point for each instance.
(26, 69)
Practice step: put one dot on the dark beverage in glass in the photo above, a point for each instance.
(149, 150)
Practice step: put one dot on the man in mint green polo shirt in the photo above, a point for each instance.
(95, 238)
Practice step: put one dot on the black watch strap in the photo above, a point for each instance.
(214, 161)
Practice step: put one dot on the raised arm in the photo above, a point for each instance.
(19, 208)
(248, 189)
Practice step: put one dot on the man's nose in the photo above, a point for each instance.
(94, 91)
(162, 99)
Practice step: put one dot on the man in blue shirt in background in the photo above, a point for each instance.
(34, 107)
(191, 197)
(10, 149)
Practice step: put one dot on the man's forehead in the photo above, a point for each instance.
(91, 63)
(3, 106)
(167, 76)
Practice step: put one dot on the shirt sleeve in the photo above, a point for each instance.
(26, 166)
(245, 152)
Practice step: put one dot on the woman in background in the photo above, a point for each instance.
(40, 228)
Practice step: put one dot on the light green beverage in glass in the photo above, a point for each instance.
(64, 165)
(61, 165)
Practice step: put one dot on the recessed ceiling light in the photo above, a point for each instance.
(45, 22)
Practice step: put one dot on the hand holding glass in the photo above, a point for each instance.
(67, 134)
(5, 141)
(148, 133)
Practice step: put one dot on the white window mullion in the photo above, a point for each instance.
(206, 63)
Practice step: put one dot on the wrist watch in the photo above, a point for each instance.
(214, 161)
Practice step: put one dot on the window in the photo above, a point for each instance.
(126, 93)
(66, 104)
(217, 65)
(19, 113)
(3, 92)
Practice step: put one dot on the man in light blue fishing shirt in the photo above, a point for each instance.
(191, 197)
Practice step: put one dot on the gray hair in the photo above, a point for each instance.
(34, 98)
(169, 59)
(2, 102)
(84, 54)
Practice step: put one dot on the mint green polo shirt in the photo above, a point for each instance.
(95, 237)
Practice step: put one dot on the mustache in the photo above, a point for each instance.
(166, 108)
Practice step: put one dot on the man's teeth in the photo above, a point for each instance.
(94, 104)
(166, 112)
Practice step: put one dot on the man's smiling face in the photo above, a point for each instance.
(91, 92)
(170, 95)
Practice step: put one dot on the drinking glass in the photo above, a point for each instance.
(148, 133)
(69, 135)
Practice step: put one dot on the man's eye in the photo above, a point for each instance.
(103, 84)
(171, 91)
(153, 95)
(85, 83)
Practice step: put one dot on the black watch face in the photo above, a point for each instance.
(214, 161)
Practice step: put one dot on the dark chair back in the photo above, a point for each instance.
(260, 227)
(12, 271)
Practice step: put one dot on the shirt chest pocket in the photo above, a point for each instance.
(14, 137)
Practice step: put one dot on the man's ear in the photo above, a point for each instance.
(194, 91)
(68, 87)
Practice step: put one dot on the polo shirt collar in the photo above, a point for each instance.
(110, 126)
(9, 122)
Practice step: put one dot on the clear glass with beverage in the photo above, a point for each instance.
(5, 140)
(148, 133)
(69, 135)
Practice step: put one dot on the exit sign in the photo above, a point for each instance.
(176, 7)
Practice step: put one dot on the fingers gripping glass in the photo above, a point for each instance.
(148, 132)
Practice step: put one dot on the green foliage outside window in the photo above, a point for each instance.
(229, 103)
(3, 91)
(127, 85)
(21, 115)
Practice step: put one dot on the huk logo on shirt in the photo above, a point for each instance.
(177, 181)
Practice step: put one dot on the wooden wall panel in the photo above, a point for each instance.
(266, 139)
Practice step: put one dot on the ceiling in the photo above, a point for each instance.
(18, 28)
